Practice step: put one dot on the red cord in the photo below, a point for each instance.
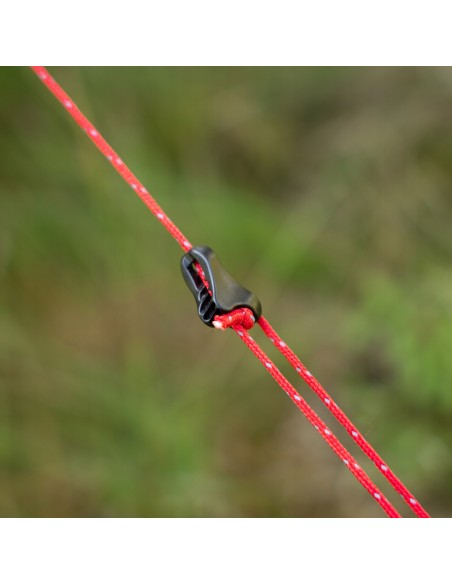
(111, 156)
(341, 417)
(242, 319)
(314, 419)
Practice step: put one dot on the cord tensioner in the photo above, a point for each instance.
(222, 294)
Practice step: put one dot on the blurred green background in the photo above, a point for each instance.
(326, 191)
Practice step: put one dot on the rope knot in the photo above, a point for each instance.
(239, 316)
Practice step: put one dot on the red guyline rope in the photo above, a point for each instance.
(112, 156)
(341, 417)
(242, 317)
(318, 424)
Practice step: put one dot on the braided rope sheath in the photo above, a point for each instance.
(242, 319)
(341, 417)
(318, 424)
(112, 156)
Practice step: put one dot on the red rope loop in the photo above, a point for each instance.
(240, 316)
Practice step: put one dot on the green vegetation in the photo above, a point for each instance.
(327, 191)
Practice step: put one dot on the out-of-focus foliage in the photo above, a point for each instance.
(327, 191)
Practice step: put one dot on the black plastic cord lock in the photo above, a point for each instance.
(225, 293)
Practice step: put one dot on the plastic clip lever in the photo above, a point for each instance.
(223, 293)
